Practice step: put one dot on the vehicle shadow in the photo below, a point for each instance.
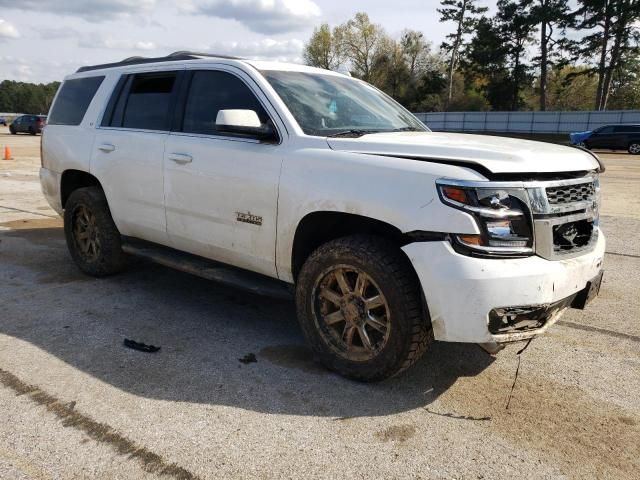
(203, 329)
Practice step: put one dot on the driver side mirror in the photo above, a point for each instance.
(245, 122)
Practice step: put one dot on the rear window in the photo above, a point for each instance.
(73, 100)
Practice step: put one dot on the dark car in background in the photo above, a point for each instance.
(610, 137)
(3, 121)
(32, 124)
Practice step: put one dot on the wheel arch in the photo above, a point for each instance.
(319, 227)
(71, 180)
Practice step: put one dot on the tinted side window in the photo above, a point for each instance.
(212, 91)
(73, 100)
(626, 129)
(148, 102)
(605, 130)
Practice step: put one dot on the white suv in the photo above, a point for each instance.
(284, 178)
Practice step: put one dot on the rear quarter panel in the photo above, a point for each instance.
(69, 147)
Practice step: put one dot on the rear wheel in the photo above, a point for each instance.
(582, 145)
(360, 308)
(92, 237)
(32, 130)
(634, 148)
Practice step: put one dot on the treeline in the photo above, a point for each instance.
(531, 55)
(22, 97)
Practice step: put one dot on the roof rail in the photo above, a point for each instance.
(172, 57)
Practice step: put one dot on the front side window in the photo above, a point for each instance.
(605, 130)
(73, 100)
(211, 91)
(325, 104)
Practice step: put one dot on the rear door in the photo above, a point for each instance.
(129, 152)
(221, 189)
(603, 138)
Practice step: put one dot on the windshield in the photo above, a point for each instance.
(325, 105)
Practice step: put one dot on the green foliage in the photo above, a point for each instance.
(21, 97)
(323, 49)
(532, 54)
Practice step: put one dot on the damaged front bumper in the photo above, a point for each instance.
(495, 301)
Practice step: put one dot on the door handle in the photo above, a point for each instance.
(107, 147)
(180, 158)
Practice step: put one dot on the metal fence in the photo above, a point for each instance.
(525, 122)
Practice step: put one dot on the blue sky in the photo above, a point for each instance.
(43, 40)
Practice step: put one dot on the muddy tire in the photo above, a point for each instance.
(360, 308)
(92, 238)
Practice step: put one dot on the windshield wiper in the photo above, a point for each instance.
(352, 133)
(407, 129)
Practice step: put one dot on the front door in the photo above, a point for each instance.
(129, 153)
(221, 190)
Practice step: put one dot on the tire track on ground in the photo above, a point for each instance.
(100, 432)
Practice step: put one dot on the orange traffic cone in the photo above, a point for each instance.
(7, 153)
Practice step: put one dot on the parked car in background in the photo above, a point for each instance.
(32, 124)
(610, 137)
(3, 121)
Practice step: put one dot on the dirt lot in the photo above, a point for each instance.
(74, 403)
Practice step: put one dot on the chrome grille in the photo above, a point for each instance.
(564, 194)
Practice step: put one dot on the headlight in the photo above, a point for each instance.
(502, 214)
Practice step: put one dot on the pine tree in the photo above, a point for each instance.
(465, 14)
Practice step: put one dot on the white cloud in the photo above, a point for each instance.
(93, 11)
(36, 70)
(7, 30)
(111, 43)
(56, 33)
(262, 16)
(265, 49)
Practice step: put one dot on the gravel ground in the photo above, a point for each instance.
(74, 403)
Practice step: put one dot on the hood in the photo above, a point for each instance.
(578, 137)
(496, 154)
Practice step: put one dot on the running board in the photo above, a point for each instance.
(209, 269)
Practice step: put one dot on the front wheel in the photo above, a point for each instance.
(582, 145)
(634, 148)
(12, 130)
(92, 237)
(360, 308)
